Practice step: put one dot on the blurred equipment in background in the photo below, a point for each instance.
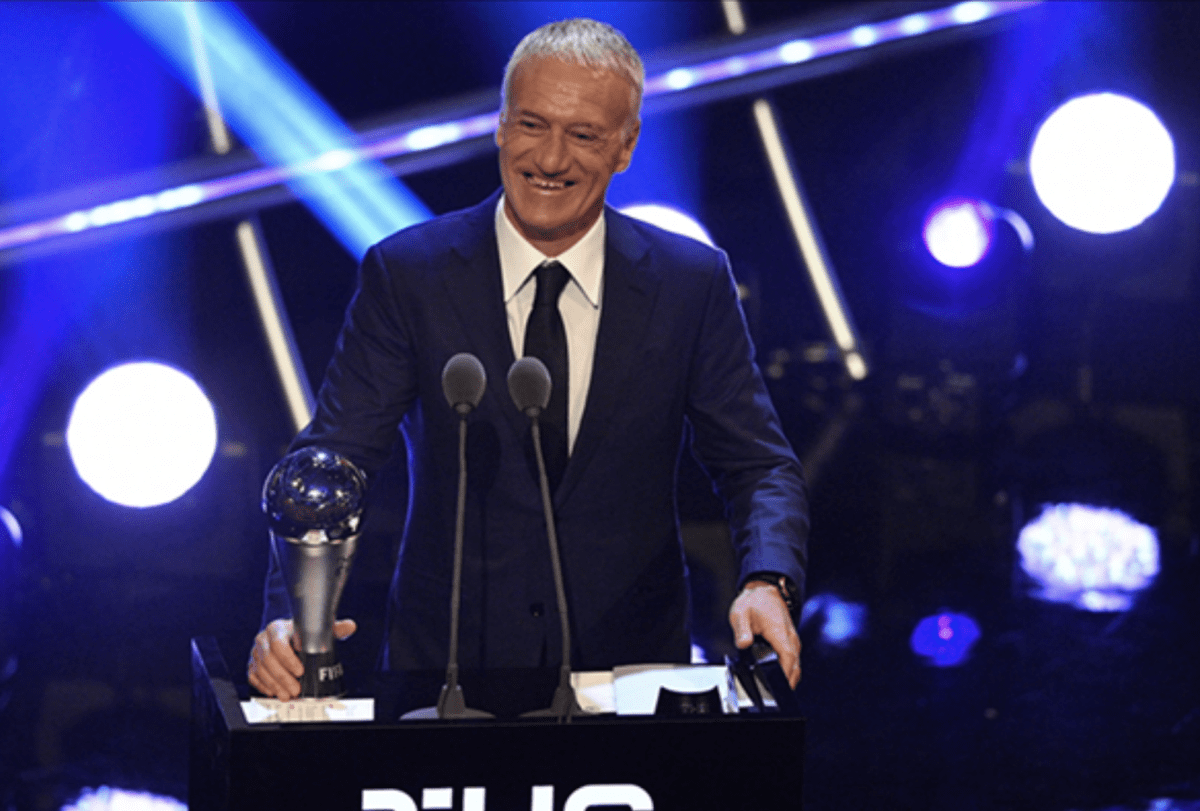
(945, 639)
(1093, 558)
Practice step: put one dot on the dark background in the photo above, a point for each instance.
(1069, 374)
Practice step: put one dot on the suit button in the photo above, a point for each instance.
(536, 609)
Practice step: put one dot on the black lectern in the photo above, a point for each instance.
(722, 762)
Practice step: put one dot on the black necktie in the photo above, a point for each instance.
(546, 340)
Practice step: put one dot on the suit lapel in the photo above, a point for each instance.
(630, 288)
(473, 286)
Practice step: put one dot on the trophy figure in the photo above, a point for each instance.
(313, 499)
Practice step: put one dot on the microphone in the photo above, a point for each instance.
(463, 383)
(529, 385)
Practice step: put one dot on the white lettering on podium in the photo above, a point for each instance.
(474, 799)
(541, 798)
(386, 799)
(437, 798)
(606, 794)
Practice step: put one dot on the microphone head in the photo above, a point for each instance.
(463, 382)
(529, 384)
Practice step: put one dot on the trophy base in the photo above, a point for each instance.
(322, 675)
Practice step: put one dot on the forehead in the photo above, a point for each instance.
(552, 87)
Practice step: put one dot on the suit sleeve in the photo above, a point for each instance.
(370, 383)
(738, 438)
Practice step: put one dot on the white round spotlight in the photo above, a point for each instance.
(141, 434)
(669, 219)
(1102, 163)
(958, 233)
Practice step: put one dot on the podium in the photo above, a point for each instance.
(612, 762)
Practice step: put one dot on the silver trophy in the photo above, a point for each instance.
(313, 499)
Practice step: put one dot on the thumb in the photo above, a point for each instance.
(344, 629)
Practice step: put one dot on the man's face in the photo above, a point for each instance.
(566, 131)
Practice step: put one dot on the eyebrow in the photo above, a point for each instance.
(523, 113)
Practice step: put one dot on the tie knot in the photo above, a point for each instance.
(552, 277)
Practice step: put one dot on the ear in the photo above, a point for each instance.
(626, 153)
(500, 130)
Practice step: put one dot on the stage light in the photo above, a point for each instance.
(808, 240)
(155, 20)
(11, 526)
(680, 79)
(141, 434)
(433, 136)
(107, 798)
(1102, 163)
(280, 118)
(971, 12)
(669, 219)
(798, 50)
(841, 622)
(945, 639)
(864, 36)
(958, 232)
(914, 24)
(1094, 558)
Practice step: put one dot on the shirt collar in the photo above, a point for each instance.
(518, 259)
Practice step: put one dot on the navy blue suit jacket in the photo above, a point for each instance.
(672, 352)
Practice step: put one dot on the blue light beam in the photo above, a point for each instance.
(384, 145)
(284, 121)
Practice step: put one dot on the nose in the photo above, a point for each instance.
(553, 155)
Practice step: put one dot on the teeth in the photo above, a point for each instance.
(546, 184)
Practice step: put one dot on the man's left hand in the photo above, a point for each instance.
(760, 610)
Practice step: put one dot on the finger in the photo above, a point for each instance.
(788, 651)
(264, 683)
(278, 663)
(282, 648)
(739, 621)
(344, 629)
(268, 675)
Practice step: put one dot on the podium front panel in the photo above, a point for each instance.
(708, 762)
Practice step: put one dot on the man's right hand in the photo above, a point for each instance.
(275, 668)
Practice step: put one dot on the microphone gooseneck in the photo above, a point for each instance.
(463, 382)
(529, 384)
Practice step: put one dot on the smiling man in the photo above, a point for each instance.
(565, 131)
(647, 347)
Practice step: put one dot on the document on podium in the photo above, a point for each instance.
(307, 710)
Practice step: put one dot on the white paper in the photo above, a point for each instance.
(308, 710)
(635, 687)
(594, 691)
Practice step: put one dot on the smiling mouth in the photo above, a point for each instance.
(547, 185)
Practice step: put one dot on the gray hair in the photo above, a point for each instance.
(581, 41)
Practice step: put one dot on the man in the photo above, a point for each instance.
(656, 349)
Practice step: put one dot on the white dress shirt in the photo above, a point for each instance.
(579, 303)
